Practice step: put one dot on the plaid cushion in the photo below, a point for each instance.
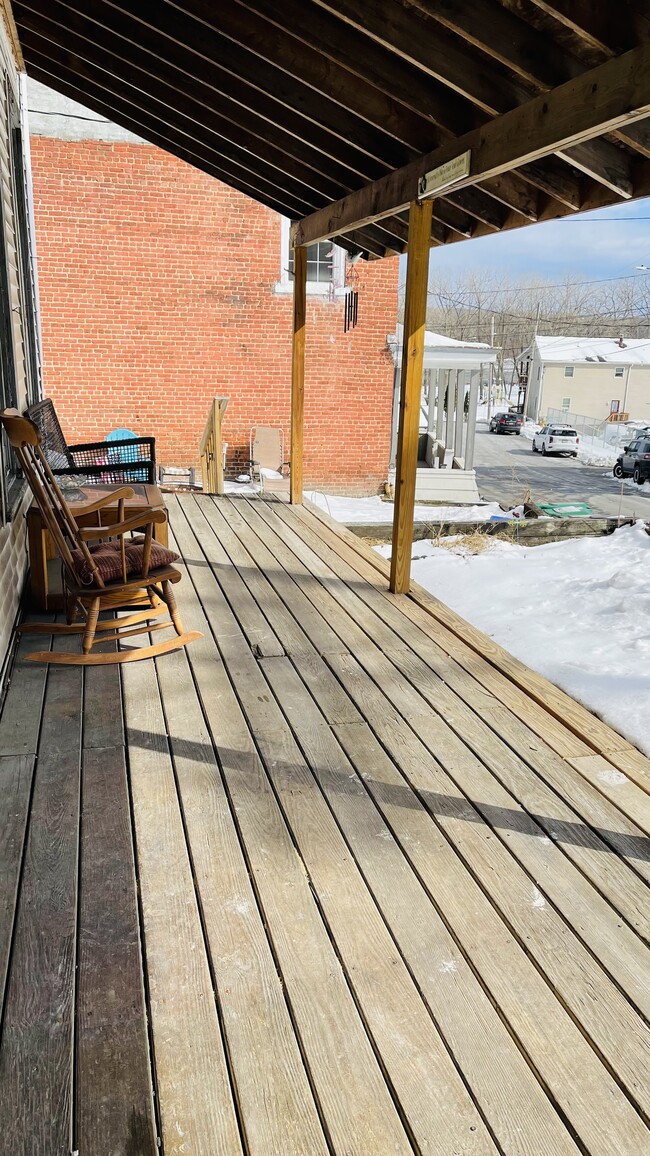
(107, 557)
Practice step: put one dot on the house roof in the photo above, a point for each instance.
(301, 103)
(596, 350)
(441, 352)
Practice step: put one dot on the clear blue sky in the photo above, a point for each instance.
(584, 246)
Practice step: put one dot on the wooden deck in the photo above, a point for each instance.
(342, 878)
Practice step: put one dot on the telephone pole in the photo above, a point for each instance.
(491, 377)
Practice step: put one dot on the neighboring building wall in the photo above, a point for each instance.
(159, 291)
(593, 387)
(16, 380)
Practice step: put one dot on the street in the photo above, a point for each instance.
(506, 468)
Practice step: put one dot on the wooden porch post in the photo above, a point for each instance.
(415, 311)
(298, 371)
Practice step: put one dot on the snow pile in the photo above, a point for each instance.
(578, 612)
(242, 487)
(529, 429)
(370, 511)
(627, 484)
(596, 453)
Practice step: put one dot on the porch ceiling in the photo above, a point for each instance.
(300, 104)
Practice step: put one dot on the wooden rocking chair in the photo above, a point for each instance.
(119, 572)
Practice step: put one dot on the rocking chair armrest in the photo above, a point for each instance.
(118, 529)
(108, 500)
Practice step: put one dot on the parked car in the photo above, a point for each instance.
(556, 439)
(506, 423)
(634, 462)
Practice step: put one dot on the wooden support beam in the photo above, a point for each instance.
(247, 181)
(615, 93)
(415, 314)
(363, 57)
(298, 372)
(173, 78)
(602, 25)
(419, 40)
(218, 126)
(219, 149)
(174, 36)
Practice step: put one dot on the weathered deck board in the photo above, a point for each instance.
(571, 967)
(348, 882)
(354, 1097)
(506, 745)
(37, 1035)
(16, 776)
(114, 1094)
(511, 1099)
(195, 1097)
(620, 885)
(270, 1079)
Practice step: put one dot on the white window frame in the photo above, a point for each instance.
(568, 370)
(332, 289)
(619, 371)
(566, 404)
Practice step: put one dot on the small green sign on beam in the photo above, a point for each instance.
(445, 175)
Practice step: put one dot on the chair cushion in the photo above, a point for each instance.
(107, 556)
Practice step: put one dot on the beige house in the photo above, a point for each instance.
(592, 376)
(19, 359)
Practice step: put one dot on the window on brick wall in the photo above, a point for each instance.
(325, 266)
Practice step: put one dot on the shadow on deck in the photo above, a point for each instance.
(340, 878)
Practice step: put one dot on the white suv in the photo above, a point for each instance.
(557, 439)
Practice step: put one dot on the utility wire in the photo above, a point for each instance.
(542, 286)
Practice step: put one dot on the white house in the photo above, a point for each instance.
(19, 350)
(452, 372)
(594, 376)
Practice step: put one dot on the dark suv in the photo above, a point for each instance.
(634, 462)
(507, 423)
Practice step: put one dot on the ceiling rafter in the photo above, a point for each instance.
(531, 54)
(602, 99)
(111, 74)
(482, 81)
(309, 102)
(607, 27)
(510, 191)
(186, 44)
(354, 240)
(363, 56)
(214, 135)
(227, 97)
(290, 46)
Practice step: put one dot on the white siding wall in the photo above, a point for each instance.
(593, 387)
(12, 536)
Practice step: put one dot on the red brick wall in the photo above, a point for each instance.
(156, 286)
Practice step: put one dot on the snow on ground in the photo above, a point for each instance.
(370, 511)
(576, 611)
(246, 488)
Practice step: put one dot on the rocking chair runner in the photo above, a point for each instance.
(118, 572)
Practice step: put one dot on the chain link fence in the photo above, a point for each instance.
(609, 434)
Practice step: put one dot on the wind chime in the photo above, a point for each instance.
(350, 309)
